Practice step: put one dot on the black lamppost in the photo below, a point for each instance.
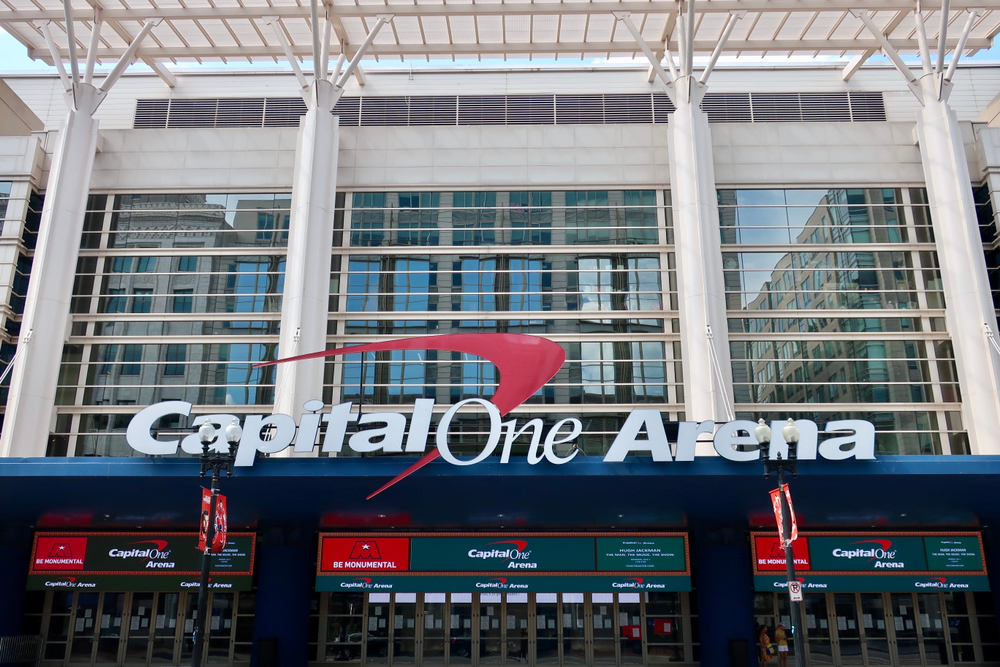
(220, 458)
(791, 435)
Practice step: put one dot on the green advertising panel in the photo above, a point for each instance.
(867, 583)
(502, 554)
(620, 554)
(547, 562)
(867, 553)
(136, 561)
(509, 584)
(954, 553)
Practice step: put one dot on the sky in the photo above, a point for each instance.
(14, 58)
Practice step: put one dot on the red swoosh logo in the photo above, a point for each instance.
(525, 364)
(520, 544)
(885, 544)
(160, 544)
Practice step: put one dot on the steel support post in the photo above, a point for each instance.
(963, 265)
(206, 564)
(31, 400)
(708, 378)
(786, 537)
(305, 301)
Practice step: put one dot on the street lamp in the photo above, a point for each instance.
(222, 457)
(790, 432)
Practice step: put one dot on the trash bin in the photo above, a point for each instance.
(739, 653)
(267, 652)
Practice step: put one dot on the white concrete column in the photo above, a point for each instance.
(45, 325)
(708, 377)
(963, 265)
(306, 297)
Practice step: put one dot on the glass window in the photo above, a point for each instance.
(175, 357)
(183, 300)
(142, 302)
(131, 356)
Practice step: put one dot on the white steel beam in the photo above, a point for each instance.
(126, 58)
(943, 34)
(925, 52)
(362, 50)
(964, 278)
(316, 53)
(493, 9)
(306, 297)
(31, 403)
(286, 50)
(890, 52)
(957, 55)
(730, 24)
(74, 66)
(95, 41)
(56, 56)
(666, 79)
(162, 71)
(472, 49)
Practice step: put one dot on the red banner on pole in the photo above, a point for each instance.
(776, 504)
(222, 525)
(219, 534)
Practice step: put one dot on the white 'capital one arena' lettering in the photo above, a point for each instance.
(642, 432)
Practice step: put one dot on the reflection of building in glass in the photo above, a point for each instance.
(821, 318)
(183, 302)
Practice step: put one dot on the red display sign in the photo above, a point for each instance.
(221, 522)
(352, 554)
(631, 632)
(771, 556)
(60, 553)
(663, 627)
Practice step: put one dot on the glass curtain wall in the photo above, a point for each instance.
(836, 311)
(591, 270)
(176, 297)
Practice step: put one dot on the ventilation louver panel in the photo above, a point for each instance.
(240, 113)
(825, 108)
(867, 107)
(512, 110)
(727, 107)
(433, 110)
(662, 108)
(482, 110)
(530, 109)
(192, 113)
(349, 110)
(283, 111)
(384, 111)
(579, 109)
(776, 108)
(628, 109)
(151, 114)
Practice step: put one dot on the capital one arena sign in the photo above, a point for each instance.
(525, 364)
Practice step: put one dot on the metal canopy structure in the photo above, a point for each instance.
(271, 30)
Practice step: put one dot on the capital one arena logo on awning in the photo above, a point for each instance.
(525, 363)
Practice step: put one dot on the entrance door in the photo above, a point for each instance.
(547, 646)
(848, 629)
(404, 628)
(904, 620)
(817, 628)
(574, 629)
(460, 634)
(517, 639)
(491, 628)
(875, 628)
(435, 627)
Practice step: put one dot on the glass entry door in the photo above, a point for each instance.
(138, 629)
(875, 628)
(502, 629)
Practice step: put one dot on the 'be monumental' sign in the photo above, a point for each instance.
(137, 562)
(525, 364)
(454, 562)
(873, 562)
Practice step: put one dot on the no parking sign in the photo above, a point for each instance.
(795, 590)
